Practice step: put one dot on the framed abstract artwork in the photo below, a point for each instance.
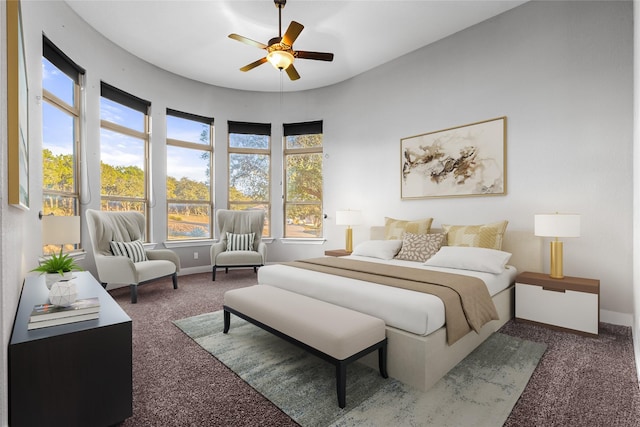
(467, 160)
(17, 110)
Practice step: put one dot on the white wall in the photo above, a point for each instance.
(560, 71)
(562, 74)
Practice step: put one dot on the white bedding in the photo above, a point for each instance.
(414, 312)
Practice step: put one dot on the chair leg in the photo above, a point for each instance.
(213, 274)
(255, 269)
(134, 293)
(175, 280)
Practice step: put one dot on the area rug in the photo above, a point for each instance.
(480, 391)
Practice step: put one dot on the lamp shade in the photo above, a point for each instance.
(281, 59)
(348, 217)
(557, 225)
(60, 230)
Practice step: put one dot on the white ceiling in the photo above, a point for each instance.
(190, 37)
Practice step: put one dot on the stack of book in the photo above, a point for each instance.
(44, 315)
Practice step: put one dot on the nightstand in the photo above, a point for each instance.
(337, 252)
(571, 304)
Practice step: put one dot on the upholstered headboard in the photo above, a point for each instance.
(526, 249)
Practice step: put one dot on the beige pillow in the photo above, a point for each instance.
(394, 228)
(420, 247)
(479, 236)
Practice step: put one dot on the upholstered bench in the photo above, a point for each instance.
(335, 334)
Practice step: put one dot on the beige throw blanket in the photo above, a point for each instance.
(468, 305)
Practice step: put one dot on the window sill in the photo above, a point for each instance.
(188, 243)
(207, 242)
(303, 241)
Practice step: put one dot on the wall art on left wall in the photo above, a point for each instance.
(17, 109)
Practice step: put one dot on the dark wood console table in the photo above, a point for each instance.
(78, 374)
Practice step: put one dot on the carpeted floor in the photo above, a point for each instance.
(579, 382)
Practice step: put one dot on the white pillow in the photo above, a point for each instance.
(383, 249)
(470, 258)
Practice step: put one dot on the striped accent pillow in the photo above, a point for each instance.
(240, 242)
(133, 250)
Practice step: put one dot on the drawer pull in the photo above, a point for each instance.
(553, 290)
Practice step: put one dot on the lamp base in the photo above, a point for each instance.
(556, 260)
(349, 239)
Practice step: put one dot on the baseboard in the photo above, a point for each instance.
(194, 270)
(615, 318)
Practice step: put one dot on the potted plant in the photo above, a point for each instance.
(57, 267)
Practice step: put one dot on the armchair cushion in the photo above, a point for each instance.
(239, 258)
(240, 242)
(134, 250)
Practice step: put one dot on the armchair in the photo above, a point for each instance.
(122, 233)
(239, 223)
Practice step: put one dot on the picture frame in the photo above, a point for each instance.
(17, 109)
(467, 160)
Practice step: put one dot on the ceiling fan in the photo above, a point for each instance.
(280, 51)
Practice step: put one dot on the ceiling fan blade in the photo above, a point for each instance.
(250, 42)
(320, 56)
(292, 33)
(254, 64)
(292, 72)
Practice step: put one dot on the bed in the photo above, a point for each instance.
(420, 349)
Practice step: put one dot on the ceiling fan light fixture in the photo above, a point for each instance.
(280, 51)
(280, 59)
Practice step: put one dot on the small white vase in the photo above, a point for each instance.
(63, 293)
(51, 278)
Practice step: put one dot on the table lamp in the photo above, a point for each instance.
(60, 230)
(348, 218)
(557, 225)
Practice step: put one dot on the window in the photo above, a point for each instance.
(189, 167)
(303, 180)
(61, 112)
(124, 146)
(249, 168)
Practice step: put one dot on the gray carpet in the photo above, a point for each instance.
(480, 391)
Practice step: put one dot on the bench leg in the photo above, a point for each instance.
(227, 321)
(341, 383)
(382, 360)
